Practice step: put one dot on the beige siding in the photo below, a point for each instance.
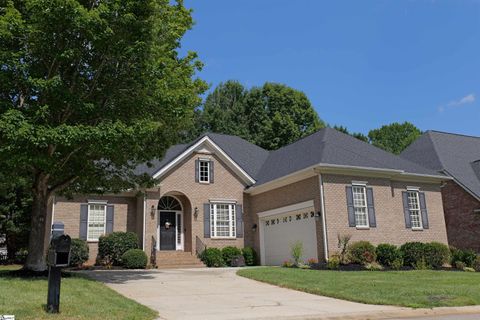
(388, 209)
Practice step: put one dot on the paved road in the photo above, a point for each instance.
(221, 294)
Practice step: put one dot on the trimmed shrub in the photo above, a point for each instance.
(228, 253)
(333, 263)
(134, 259)
(412, 253)
(436, 254)
(78, 252)
(250, 256)
(111, 247)
(466, 256)
(212, 257)
(362, 252)
(387, 254)
(397, 264)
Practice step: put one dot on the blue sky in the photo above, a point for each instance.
(362, 63)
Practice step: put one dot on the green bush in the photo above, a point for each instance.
(212, 257)
(78, 252)
(460, 265)
(297, 252)
(228, 253)
(134, 259)
(362, 252)
(412, 253)
(436, 254)
(387, 254)
(466, 256)
(111, 247)
(334, 262)
(476, 265)
(250, 256)
(397, 264)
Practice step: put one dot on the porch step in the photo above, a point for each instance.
(177, 259)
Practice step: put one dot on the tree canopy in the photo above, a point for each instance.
(394, 137)
(270, 116)
(89, 89)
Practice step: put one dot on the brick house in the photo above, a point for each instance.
(457, 156)
(221, 190)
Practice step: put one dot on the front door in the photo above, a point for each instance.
(167, 230)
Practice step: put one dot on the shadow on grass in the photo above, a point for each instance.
(117, 276)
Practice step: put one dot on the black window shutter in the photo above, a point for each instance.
(423, 210)
(83, 221)
(371, 208)
(211, 172)
(351, 211)
(206, 220)
(109, 219)
(239, 220)
(197, 170)
(406, 211)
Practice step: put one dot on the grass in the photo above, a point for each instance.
(416, 289)
(81, 298)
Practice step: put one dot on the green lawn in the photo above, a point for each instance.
(417, 289)
(81, 298)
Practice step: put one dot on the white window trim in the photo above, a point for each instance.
(207, 161)
(364, 188)
(213, 221)
(104, 204)
(417, 194)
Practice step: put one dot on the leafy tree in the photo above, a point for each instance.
(270, 116)
(394, 137)
(358, 135)
(89, 89)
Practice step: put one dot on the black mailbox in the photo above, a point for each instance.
(58, 228)
(59, 252)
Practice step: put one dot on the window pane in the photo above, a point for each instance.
(204, 171)
(414, 207)
(360, 206)
(222, 220)
(96, 221)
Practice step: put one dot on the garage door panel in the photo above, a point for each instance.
(282, 231)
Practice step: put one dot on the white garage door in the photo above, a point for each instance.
(281, 231)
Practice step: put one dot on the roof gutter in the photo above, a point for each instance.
(338, 169)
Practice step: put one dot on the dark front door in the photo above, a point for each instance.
(167, 230)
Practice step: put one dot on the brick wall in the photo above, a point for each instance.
(463, 225)
(388, 209)
(68, 211)
(301, 191)
(181, 183)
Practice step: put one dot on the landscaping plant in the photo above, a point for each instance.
(212, 257)
(78, 252)
(334, 262)
(436, 254)
(361, 252)
(250, 256)
(134, 259)
(111, 247)
(343, 242)
(387, 254)
(468, 257)
(228, 253)
(297, 252)
(412, 253)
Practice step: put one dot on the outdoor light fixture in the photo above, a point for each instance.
(195, 213)
(152, 210)
(318, 214)
(254, 228)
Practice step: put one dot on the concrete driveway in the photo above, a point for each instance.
(221, 294)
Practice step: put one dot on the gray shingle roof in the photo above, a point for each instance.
(331, 147)
(327, 146)
(457, 155)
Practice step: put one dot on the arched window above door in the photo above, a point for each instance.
(168, 203)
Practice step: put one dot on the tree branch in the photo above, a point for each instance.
(62, 184)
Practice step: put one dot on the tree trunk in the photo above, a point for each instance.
(36, 242)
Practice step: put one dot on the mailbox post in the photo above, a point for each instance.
(58, 257)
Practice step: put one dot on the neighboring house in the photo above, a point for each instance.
(457, 156)
(222, 191)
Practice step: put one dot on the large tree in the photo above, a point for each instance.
(394, 137)
(89, 89)
(270, 116)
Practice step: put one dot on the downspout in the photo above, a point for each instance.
(324, 219)
(144, 222)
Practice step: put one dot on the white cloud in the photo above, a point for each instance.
(468, 99)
